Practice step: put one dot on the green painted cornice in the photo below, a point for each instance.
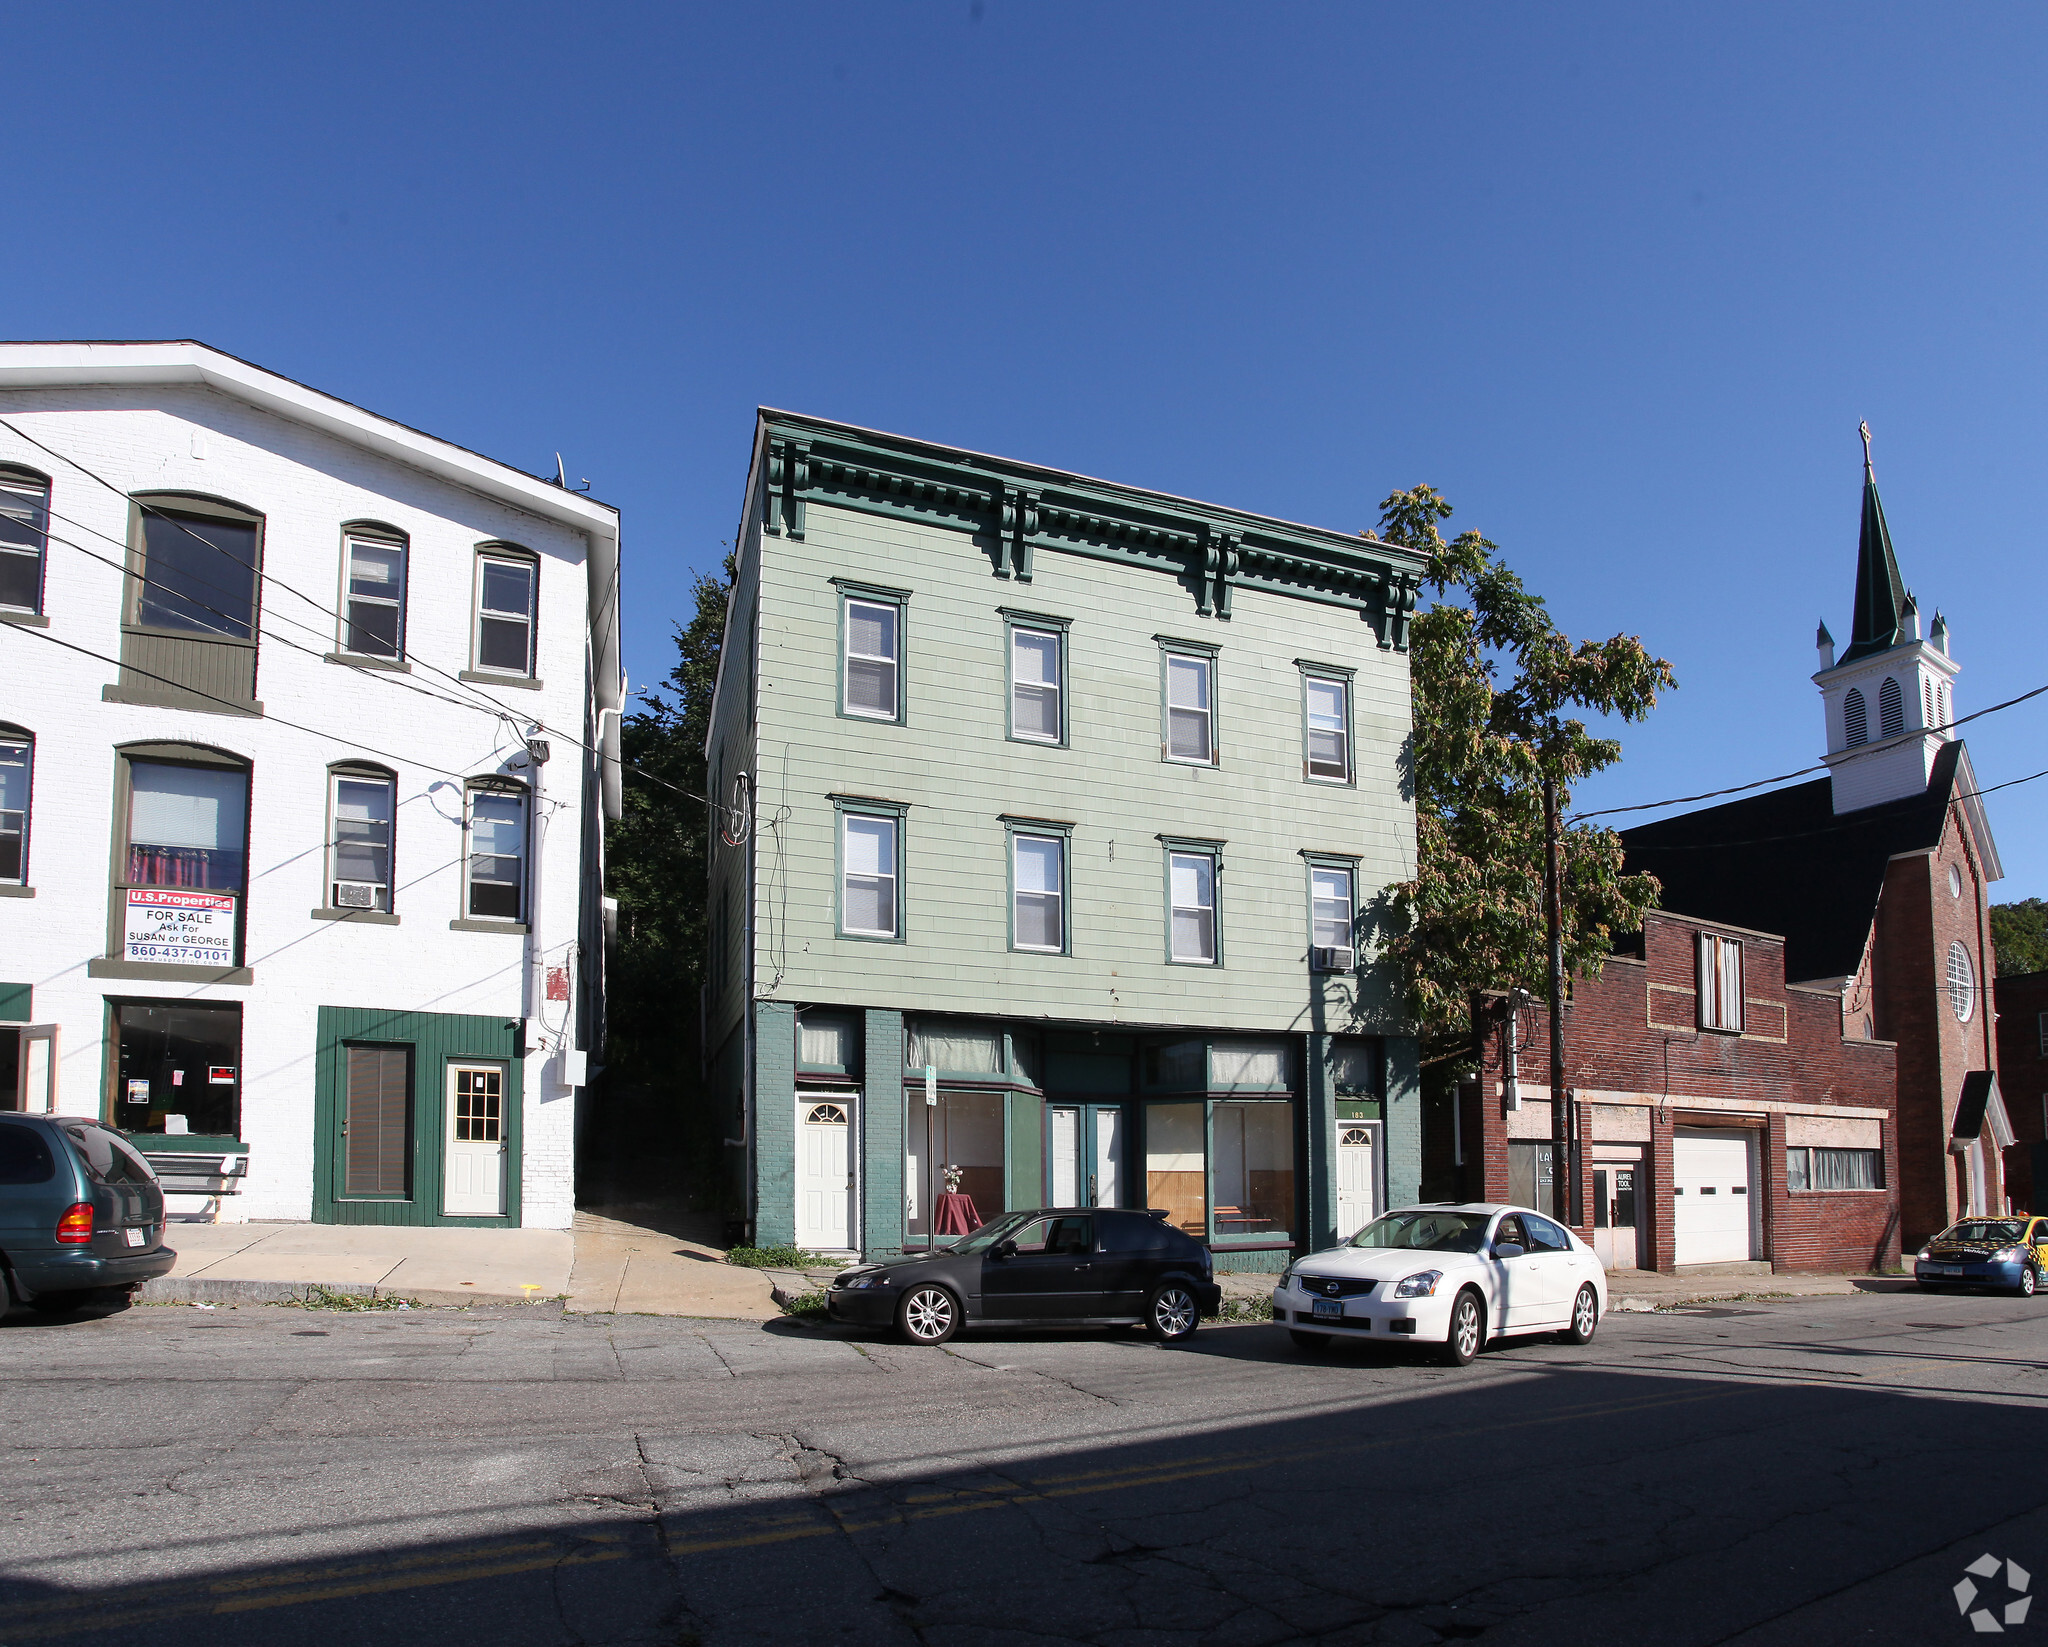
(1013, 510)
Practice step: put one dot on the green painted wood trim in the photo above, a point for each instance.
(1404, 1120)
(17, 1003)
(1310, 863)
(774, 1123)
(436, 1039)
(1316, 1207)
(1195, 651)
(1021, 508)
(844, 806)
(881, 1124)
(1043, 829)
(1057, 628)
(1024, 1161)
(875, 595)
(1188, 846)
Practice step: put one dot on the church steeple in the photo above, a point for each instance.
(1879, 621)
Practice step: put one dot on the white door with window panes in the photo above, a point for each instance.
(1084, 1155)
(1357, 1178)
(473, 1160)
(824, 1173)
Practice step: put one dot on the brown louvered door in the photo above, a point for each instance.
(377, 1128)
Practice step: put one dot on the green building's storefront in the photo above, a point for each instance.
(878, 1132)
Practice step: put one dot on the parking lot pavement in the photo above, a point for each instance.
(1816, 1471)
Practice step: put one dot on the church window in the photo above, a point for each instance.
(1941, 703)
(1955, 881)
(1891, 708)
(1962, 983)
(1927, 715)
(1855, 719)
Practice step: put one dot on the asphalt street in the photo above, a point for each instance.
(1815, 1471)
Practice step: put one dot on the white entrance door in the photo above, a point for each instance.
(824, 1174)
(1711, 1188)
(1106, 1188)
(1355, 1179)
(1065, 1145)
(37, 1070)
(473, 1145)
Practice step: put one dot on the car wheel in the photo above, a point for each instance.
(2027, 1281)
(1171, 1313)
(1313, 1342)
(1585, 1317)
(927, 1315)
(1468, 1329)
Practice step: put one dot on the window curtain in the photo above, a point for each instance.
(186, 825)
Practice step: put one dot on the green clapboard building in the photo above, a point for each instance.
(1055, 816)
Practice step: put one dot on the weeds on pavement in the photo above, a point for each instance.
(773, 1258)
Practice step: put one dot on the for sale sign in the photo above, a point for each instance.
(182, 928)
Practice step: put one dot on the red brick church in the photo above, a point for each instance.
(1797, 1063)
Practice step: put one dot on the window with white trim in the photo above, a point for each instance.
(1891, 708)
(1191, 906)
(24, 537)
(1327, 716)
(373, 615)
(494, 871)
(360, 807)
(1962, 983)
(1037, 679)
(872, 670)
(1855, 719)
(17, 770)
(1038, 875)
(868, 875)
(506, 587)
(1190, 709)
(1720, 982)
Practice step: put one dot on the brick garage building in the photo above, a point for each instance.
(2022, 1003)
(1717, 1114)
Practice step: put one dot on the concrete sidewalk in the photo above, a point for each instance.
(627, 1260)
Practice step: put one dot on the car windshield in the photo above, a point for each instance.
(989, 1234)
(1984, 1229)
(1429, 1231)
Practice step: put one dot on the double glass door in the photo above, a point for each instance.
(1084, 1155)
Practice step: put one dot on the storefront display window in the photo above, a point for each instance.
(1254, 1168)
(963, 1130)
(178, 1069)
(1175, 1165)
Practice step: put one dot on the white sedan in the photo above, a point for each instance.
(1448, 1274)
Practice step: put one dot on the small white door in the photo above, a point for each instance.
(1355, 1179)
(1711, 1188)
(473, 1165)
(38, 1069)
(824, 1174)
(1106, 1189)
(1980, 1189)
(1066, 1157)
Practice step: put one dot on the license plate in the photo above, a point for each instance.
(1328, 1309)
(1944, 1269)
(136, 1238)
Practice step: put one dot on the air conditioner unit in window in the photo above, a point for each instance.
(355, 894)
(1324, 958)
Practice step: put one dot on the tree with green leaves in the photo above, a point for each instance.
(1494, 684)
(2019, 935)
(645, 1127)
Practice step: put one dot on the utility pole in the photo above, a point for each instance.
(1564, 1167)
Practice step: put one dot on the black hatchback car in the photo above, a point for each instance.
(81, 1214)
(1066, 1266)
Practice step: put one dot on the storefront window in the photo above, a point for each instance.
(966, 1049)
(178, 1069)
(1239, 1064)
(1175, 1067)
(1254, 1178)
(963, 1130)
(1175, 1160)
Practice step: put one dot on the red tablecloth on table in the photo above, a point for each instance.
(955, 1215)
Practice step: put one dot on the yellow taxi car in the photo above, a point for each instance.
(2010, 1253)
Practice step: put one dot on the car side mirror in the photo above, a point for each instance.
(1004, 1248)
(1508, 1249)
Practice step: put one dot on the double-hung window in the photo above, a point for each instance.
(373, 623)
(361, 805)
(1189, 674)
(1038, 678)
(1331, 915)
(495, 866)
(17, 768)
(870, 870)
(1193, 937)
(871, 652)
(24, 536)
(1720, 973)
(1038, 885)
(507, 583)
(1326, 724)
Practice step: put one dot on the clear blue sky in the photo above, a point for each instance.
(1620, 280)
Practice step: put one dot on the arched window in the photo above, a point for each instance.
(1855, 719)
(1891, 708)
(24, 535)
(373, 590)
(1927, 716)
(507, 591)
(1962, 983)
(181, 870)
(17, 768)
(1943, 705)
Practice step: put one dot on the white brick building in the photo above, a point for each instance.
(303, 721)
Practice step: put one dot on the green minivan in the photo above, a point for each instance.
(81, 1214)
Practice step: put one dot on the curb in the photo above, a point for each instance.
(200, 1290)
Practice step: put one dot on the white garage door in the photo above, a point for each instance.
(1711, 1188)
